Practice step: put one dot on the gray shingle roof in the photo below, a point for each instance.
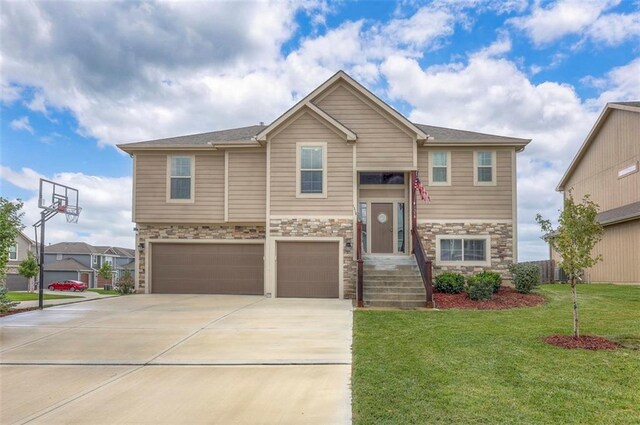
(452, 135)
(233, 135)
(623, 213)
(71, 248)
(85, 248)
(635, 103)
(244, 135)
(66, 264)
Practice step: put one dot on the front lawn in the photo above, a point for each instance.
(477, 367)
(103, 291)
(33, 296)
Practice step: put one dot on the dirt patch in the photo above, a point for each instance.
(503, 299)
(18, 310)
(585, 342)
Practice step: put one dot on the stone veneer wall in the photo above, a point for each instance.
(501, 244)
(160, 231)
(323, 228)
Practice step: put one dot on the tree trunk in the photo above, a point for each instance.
(576, 324)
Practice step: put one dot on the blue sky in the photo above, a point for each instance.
(79, 77)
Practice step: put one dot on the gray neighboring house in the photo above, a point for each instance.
(81, 261)
(18, 253)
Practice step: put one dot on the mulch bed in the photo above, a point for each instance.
(503, 299)
(18, 310)
(585, 342)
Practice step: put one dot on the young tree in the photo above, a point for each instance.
(577, 233)
(10, 226)
(106, 271)
(29, 267)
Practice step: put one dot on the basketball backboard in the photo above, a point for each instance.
(58, 197)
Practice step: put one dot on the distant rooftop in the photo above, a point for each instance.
(85, 248)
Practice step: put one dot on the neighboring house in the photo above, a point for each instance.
(273, 209)
(607, 168)
(18, 253)
(81, 261)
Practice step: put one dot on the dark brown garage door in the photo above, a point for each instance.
(207, 269)
(308, 269)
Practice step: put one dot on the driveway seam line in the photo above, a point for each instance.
(75, 397)
(202, 328)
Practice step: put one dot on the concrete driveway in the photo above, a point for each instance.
(178, 359)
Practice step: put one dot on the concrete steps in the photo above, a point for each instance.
(393, 281)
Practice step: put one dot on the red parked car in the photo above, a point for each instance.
(68, 285)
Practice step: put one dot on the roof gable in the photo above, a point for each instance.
(604, 115)
(340, 76)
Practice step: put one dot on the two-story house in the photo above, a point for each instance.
(607, 167)
(81, 261)
(274, 209)
(18, 253)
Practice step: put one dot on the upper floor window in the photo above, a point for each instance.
(627, 171)
(484, 168)
(311, 174)
(381, 178)
(58, 257)
(180, 178)
(13, 252)
(440, 169)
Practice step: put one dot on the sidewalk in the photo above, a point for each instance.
(85, 296)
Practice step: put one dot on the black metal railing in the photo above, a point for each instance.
(425, 266)
(360, 261)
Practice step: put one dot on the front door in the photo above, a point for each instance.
(382, 228)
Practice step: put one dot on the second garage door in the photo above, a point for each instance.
(308, 269)
(232, 268)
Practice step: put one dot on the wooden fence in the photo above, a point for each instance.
(547, 270)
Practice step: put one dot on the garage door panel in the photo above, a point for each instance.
(208, 269)
(308, 269)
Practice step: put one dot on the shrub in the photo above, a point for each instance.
(479, 288)
(6, 304)
(525, 277)
(493, 277)
(449, 283)
(126, 284)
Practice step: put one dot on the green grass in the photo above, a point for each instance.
(492, 367)
(103, 291)
(33, 296)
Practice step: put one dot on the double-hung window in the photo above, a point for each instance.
(13, 252)
(463, 250)
(484, 168)
(440, 169)
(180, 179)
(311, 175)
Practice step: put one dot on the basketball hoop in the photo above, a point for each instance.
(72, 213)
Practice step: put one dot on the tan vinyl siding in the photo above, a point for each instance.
(339, 200)
(620, 251)
(247, 185)
(616, 146)
(381, 144)
(383, 192)
(151, 188)
(462, 199)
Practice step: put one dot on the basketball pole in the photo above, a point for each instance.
(41, 277)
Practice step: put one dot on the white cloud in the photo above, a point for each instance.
(106, 203)
(586, 18)
(489, 93)
(21, 123)
(620, 84)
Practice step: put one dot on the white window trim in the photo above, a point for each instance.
(9, 253)
(628, 170)
(58, 257)
(494, 177)
(299, 146)
(193, 180)
(487, 252)
(448, 182)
